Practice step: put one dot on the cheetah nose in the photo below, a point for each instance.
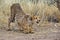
(38, 21)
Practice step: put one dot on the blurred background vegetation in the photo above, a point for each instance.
(42, 8)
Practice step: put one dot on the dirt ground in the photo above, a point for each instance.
(45, 33)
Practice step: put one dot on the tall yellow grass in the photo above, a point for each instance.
(29, 8)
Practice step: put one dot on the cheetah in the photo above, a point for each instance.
(21, 18)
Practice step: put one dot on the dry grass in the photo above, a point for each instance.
(29, 8)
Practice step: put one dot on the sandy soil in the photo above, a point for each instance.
(47, 33)
(4, 35)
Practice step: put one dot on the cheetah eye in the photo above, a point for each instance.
(39, 20)
(36, 17)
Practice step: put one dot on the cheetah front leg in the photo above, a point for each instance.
(28, 29)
